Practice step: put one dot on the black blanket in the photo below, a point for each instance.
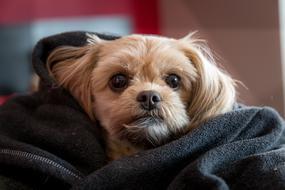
(48, 142)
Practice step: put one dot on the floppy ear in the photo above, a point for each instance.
(72, 68)
(213, 91)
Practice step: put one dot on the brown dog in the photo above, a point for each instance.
(144, 90)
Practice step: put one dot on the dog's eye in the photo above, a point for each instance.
(173, 81)
(118, 82)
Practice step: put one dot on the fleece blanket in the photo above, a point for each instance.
(48, 142)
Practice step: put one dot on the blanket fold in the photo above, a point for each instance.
(48, 142)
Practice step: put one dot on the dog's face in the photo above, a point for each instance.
(143, 89)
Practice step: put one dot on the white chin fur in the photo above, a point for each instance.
(154, 130)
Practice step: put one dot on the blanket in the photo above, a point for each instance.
(48, 142)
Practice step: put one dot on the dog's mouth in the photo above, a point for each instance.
(145, 130)
(146, 120)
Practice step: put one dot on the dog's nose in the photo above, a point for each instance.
(149, 99)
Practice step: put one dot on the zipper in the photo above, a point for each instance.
(42, 159)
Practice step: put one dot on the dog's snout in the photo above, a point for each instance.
(149, 99)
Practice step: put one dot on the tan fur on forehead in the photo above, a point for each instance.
(141, 47)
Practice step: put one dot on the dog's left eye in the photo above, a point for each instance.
(173, 81)
(118, 82)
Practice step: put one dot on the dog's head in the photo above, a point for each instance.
(144, 89)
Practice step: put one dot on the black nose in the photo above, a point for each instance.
(148, 99)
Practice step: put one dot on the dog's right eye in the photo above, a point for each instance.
(118, 82)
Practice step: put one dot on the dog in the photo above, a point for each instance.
(144, 90)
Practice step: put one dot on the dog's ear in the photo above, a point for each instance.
(72, 68)
(213, 91)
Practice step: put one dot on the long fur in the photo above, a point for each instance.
(214, 91)
(72, 68)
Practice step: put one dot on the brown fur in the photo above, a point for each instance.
(205, 90)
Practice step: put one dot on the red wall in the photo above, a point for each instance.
(144, 14)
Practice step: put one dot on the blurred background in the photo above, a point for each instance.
(247, 35)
